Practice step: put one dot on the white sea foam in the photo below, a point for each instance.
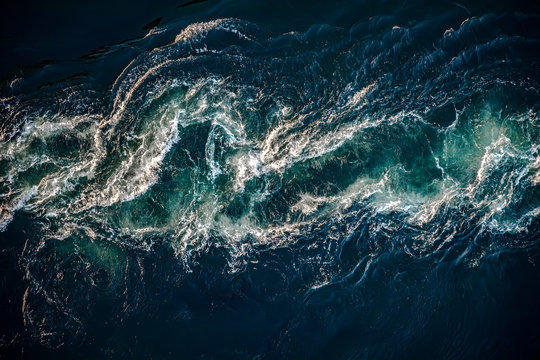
(7, 210)
(199, 31)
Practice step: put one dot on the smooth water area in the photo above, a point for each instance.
(246, 180)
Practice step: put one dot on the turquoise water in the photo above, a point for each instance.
(348, 182)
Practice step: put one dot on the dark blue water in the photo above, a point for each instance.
(270, 180)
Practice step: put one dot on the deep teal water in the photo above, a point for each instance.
(244, 180)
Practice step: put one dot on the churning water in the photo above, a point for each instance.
(239, 189)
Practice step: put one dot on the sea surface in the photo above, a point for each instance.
(270, 180)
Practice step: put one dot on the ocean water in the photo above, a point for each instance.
(270, 180)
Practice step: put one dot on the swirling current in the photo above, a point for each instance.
(332, 191)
